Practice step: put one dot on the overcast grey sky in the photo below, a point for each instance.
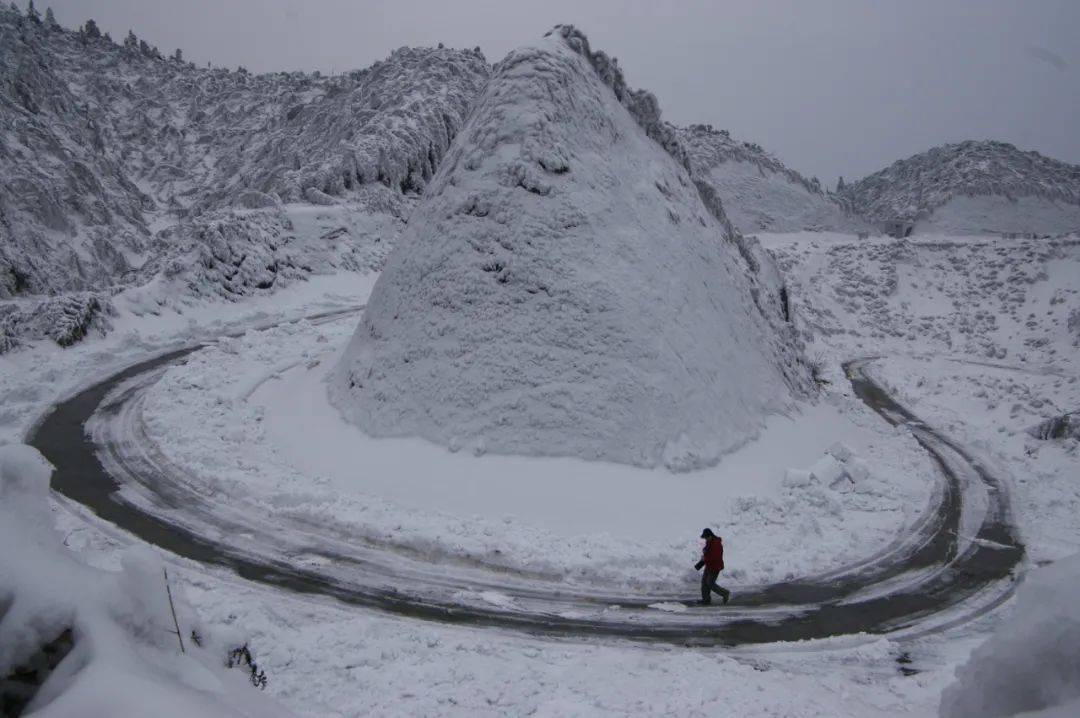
(839, 87)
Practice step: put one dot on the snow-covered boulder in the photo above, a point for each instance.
(1031, 666)
(827, 471)
(797, 478)
(563, 289)
(316, 196)
(839, 468)
(840, 451)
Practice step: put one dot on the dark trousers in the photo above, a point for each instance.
(708, 585)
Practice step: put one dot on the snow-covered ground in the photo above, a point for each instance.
(324, 660)
(250, 419)
(995, 213)
(38, 376)
(984, 353)
(991, 406)
(979, 337)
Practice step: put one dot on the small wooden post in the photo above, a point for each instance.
(172, 608)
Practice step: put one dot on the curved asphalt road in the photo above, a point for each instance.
(960, 559)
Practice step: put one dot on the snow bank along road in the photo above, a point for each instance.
(959, 560)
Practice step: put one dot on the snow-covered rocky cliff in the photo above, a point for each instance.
(972, 188)
(119, 165)
(565, 288)
(760, 193)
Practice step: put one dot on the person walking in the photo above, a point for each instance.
(712, 559)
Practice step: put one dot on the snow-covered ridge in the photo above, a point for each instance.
(913, 189)
(562, 289)
(103, 146)
(708, 147)
(645, 109)
(758, 191)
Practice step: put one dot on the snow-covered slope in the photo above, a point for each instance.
(563, 288)
(974, 187)
(761, 194)
(112, 156)
(78, 641)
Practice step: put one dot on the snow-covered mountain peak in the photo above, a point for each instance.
(562, 288)
(974, 186)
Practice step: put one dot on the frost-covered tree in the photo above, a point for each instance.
(178, 56)
(91, 30)
(50, 19)
(14, 8)
(840, 184)
(131, 42)
(144, 48)
(32, 14)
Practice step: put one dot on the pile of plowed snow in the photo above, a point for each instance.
(564, 289)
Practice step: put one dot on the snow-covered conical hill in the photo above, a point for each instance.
(112, 156)
(974, 187)
(760, 193)
(564, 289)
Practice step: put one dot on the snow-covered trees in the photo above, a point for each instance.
(74, 218)
(65, 319)
(32, 14)
(914, 188)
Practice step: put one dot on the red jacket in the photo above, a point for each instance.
(713, 554)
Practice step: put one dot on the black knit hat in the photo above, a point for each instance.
(707, 533)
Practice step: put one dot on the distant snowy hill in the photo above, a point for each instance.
(565, 288)
(759, 193)
(973, 187)
(115, 160)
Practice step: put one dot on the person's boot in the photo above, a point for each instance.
(705, 601)
(725, 595)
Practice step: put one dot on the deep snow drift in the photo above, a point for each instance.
(564, 290)
(77, 641)
(1032, 664)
